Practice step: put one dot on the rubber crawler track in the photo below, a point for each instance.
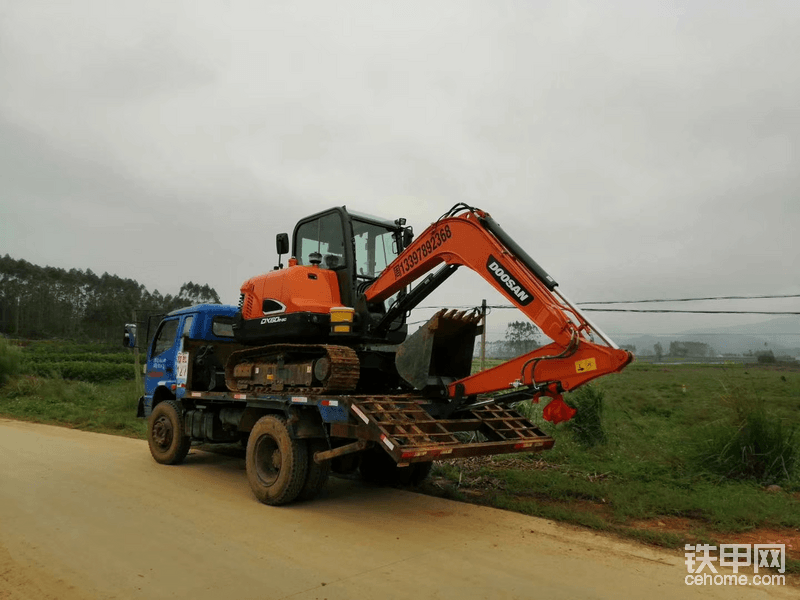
(344, 367)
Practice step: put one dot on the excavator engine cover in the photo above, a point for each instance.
(440, 351)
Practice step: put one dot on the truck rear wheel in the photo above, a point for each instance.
(317, 473)
(276, 463)
(165, 436)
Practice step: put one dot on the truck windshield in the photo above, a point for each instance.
(375, 248)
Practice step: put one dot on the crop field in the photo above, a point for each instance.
(85, 386)
(666, 454)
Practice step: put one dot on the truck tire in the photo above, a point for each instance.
(165, 436)
(317, 473)
(276, 463)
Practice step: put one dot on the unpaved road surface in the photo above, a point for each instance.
(86, 515)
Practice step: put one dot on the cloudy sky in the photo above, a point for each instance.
(635, 149)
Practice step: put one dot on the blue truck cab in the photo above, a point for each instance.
(199, 331)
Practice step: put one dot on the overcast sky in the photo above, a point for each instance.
(634, 149)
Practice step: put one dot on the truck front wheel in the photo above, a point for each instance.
(276, 463)
(165, 436)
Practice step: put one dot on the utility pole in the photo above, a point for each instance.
(483, 335)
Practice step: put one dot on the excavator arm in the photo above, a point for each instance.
(473, 239)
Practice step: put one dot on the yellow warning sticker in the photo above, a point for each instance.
(589, 364)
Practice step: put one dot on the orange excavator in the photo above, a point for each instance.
(334, 320)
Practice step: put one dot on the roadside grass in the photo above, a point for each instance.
(84, 386)
(104, 408)
(652, 474)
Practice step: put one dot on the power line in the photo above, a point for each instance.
(752, 334)
(667, 310)
(695, 299)
(704, 312)
(764, 297)
(497, 331)
(644, 310)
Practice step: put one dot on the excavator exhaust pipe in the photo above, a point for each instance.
(439, 352)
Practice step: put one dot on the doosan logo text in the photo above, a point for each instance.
(499, 272)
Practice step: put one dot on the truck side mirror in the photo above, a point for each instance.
(282, 242)
(129, 337)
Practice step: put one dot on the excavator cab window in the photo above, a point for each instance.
(324, 236)
(375, 248)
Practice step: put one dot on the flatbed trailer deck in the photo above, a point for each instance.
(400, 424)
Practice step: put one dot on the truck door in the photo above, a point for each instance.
(161, 366)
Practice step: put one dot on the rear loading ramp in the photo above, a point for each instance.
(409, 434)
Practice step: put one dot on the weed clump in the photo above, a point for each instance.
(10, 361)
(749, 443)
(587, 424)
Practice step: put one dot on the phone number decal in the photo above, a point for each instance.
(438, 238)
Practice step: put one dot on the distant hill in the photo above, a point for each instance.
(781, 335)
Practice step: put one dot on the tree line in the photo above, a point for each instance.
(684, 349)
(520, 338)
(48, 302)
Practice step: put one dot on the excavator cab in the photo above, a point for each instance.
(357, 248)
(336, 256)
(309, 325)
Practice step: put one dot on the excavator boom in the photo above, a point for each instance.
(473, 239)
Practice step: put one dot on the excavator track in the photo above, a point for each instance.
(308, 368)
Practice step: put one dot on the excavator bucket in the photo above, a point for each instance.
(440, 351)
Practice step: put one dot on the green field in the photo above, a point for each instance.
(84, 386)
(671, 453)
(683, 452)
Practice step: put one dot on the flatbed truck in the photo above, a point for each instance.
(294, 440)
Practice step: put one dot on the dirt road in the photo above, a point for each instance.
(86, 515)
